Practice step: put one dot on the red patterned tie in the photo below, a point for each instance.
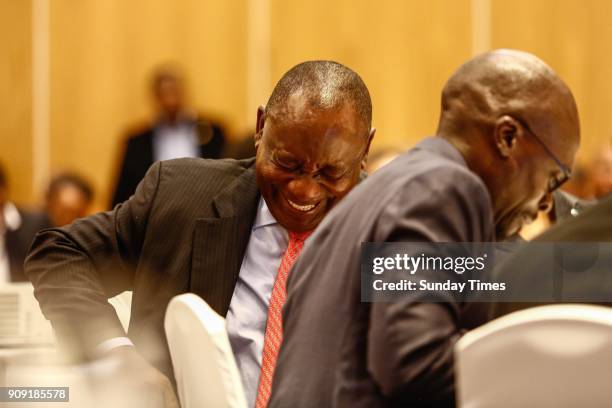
(274, 325)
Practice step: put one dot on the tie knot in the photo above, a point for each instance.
(299, 236)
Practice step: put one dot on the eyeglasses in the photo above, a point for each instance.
(560, 178)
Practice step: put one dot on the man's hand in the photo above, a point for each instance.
(147, 385)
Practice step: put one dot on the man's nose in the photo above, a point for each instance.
(546, 203)
(306, 189)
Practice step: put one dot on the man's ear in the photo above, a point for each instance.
(364, 159)
(507, 131)
(259, 125)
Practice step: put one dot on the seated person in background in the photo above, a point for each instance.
(69, 197)
(177, 132)
(17, 230)
(507, 135)
(217, 228)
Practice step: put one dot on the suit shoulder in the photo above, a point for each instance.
(451, 184)
(446, 202)
(196, 164)
(188, 186)
(441, 183)
(458, 177)
(204, 171)
(433, 175)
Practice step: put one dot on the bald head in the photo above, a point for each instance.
(516, 124)
(324, 86)
(506, 82)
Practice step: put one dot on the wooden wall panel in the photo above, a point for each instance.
(573, 36)
(16, 97)
(102, 52)
(102, 56)
(403, 49)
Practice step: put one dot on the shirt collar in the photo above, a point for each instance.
(12, 219)
(264, 216)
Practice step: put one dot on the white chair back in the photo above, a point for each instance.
(547, 356)
(204, 366)
(123, 306)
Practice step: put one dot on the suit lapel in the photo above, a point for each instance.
(219, 243)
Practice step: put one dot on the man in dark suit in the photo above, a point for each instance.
(580, 277)
(217, 228)
(17, 230)
(507, 134)
(177, 132)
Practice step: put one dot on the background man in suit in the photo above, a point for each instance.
(507, 135)
(177, 132)
(17, 230)
(218, 228)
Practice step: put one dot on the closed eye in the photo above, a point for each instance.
(286, 164)
(334, 173)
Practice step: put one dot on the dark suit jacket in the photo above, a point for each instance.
(185, 229)
(339, 351)
(528, 267)
(18, 241)
(566, 205)
(138, 157)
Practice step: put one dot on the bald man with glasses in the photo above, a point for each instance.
(506, 139)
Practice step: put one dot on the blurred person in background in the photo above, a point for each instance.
(382, 157)
(177, 132)
(580, 183)
(68, 197)
(593, 179)
(601, 172)
(242, 148)
(17, 230)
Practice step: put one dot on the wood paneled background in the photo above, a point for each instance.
(101, 54)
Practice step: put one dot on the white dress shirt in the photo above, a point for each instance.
(248, 311)
(175, 141)
(11, 222)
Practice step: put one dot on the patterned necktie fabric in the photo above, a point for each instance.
(274, 325)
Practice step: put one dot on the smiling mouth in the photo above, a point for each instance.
(302, 208)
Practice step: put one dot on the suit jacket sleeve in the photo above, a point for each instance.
(410, 341)
(75, 269)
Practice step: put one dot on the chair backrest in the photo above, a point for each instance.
(204, 365)
(123, 306)
(546, 356)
